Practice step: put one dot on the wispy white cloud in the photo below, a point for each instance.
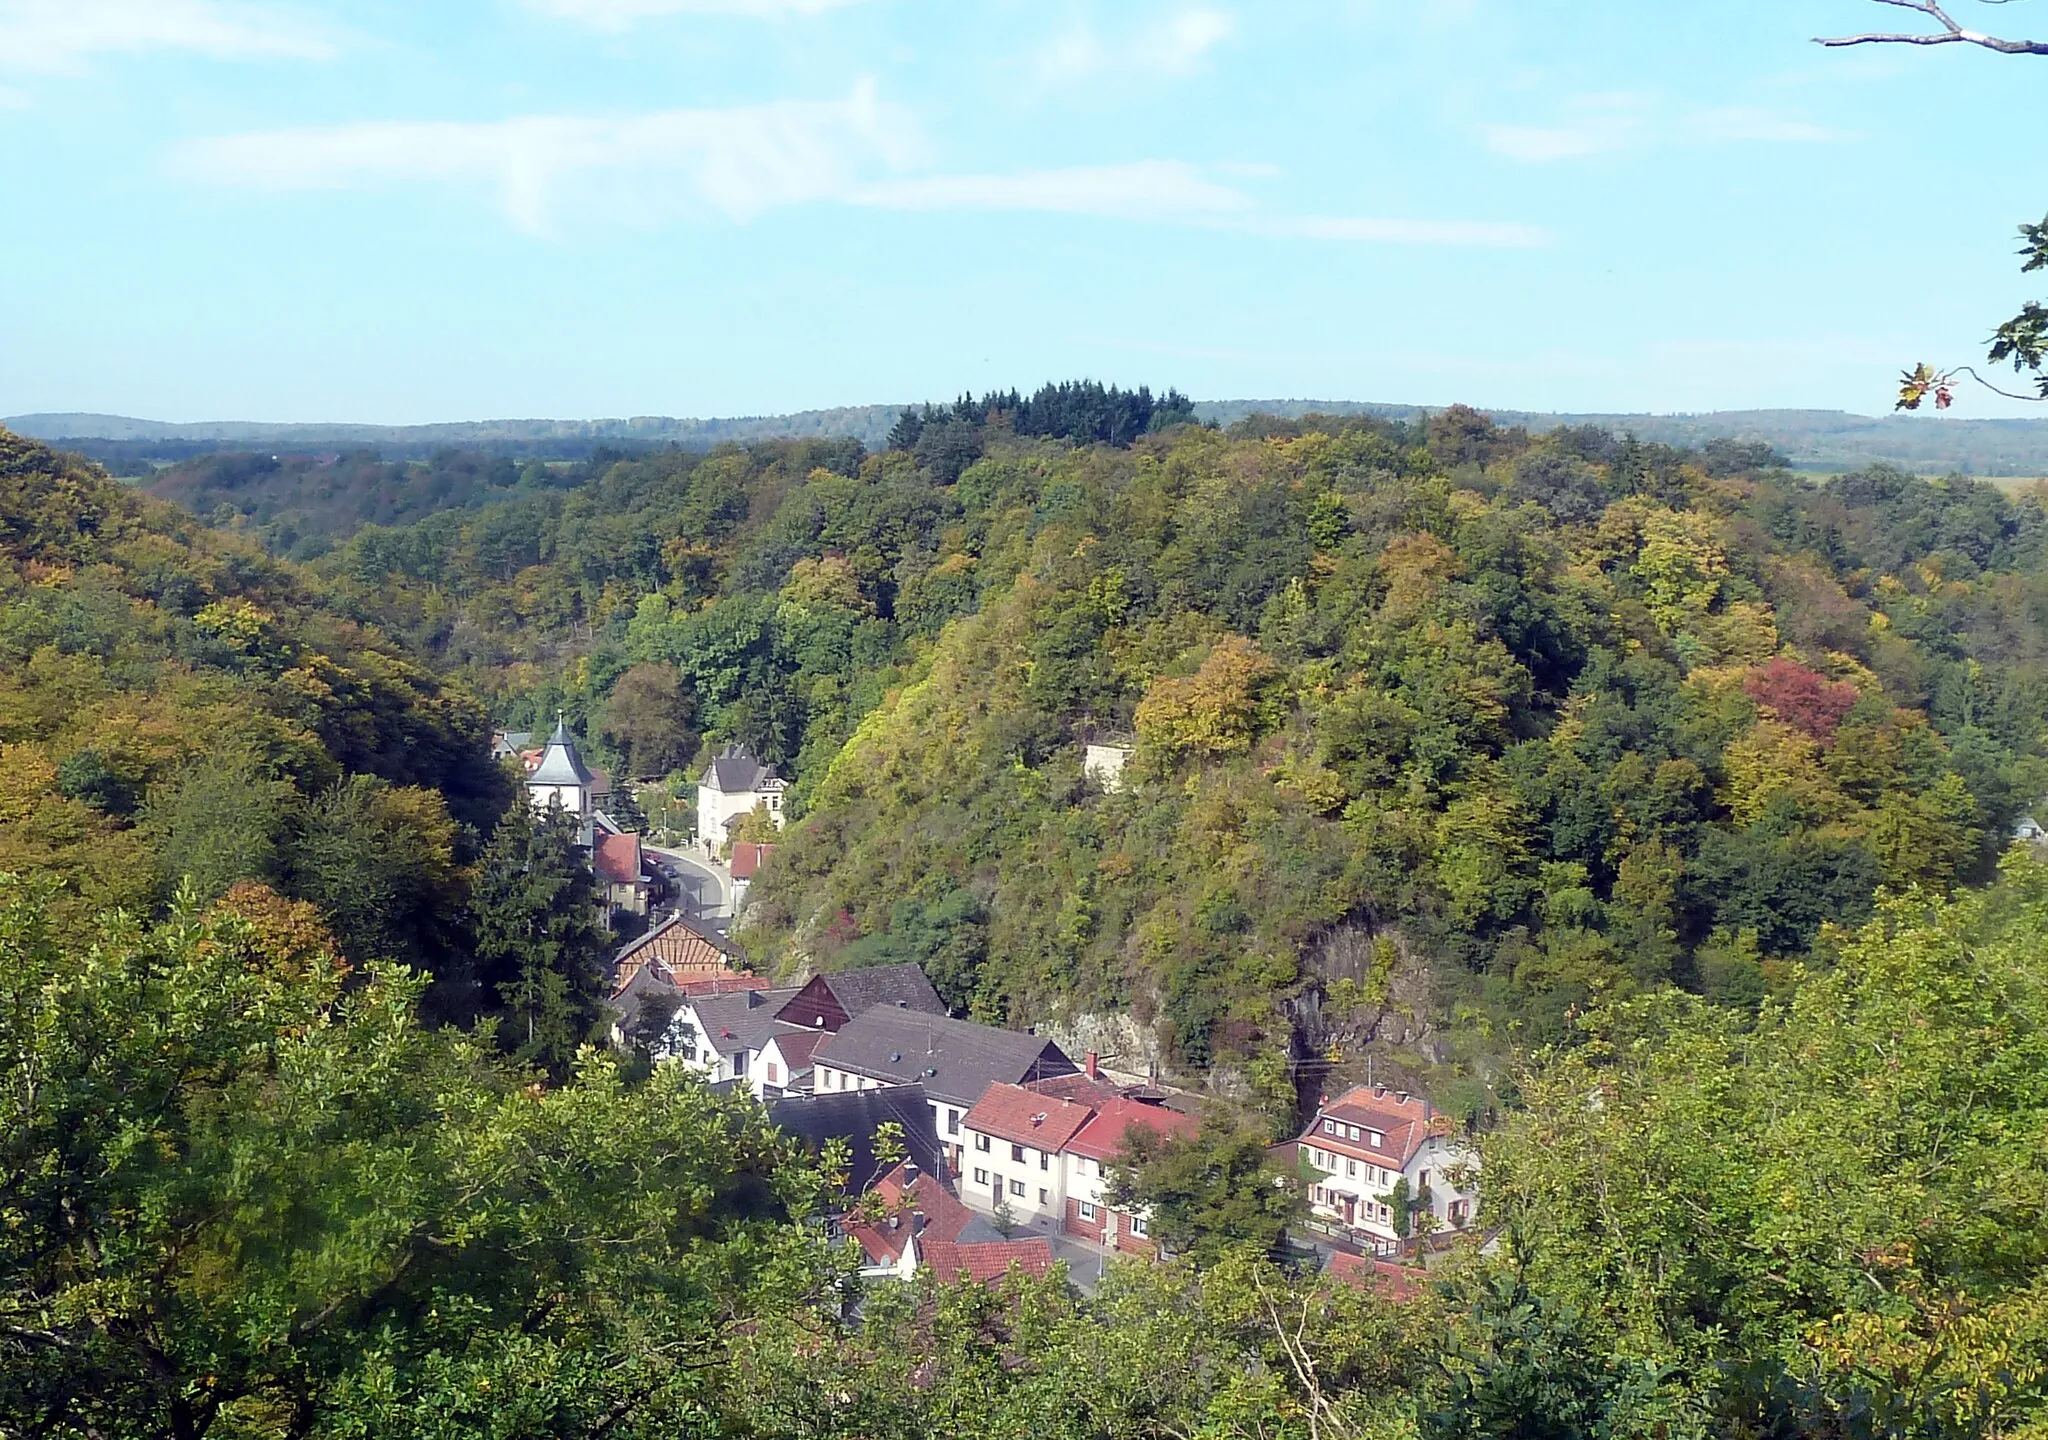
(1173, 192)
(1185, 40)
(622, 14)
(1591, 125)
(1610, 124)
(741, 161)
(1146, 190)
(1178, 42)
(745, 161)
(58, 36)
(1745, 122)
(1478, 234)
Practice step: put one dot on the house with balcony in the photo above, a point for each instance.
(1385, 1165)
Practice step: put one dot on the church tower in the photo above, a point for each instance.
(562, 778)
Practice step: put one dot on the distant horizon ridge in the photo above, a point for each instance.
(1812, 439)
(44, 420)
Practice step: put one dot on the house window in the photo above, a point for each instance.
(1351, 1169)
(1017, 1153)
(981, 1177)
(1087, 1211)
(774, 1074)
(952, 1122)
(981, 1143)
(1331, 1127)
(1044, 1198)
(1139, 1227)
(1045, 1160)
(1354, 1132)
(1017, 1188)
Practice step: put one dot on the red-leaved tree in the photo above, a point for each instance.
(1802, 698)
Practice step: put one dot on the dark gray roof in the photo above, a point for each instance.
(649, 987)
(854, 1116)
(560, 764)
(901, 986)
(744, 1021)
(955, 1060)
(511, 742)
(737, 771)
(980, 1231)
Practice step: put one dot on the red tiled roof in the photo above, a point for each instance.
(1010, 1112)
(933, 1214)
(746, 860)
(1399, 1283)
(986, 1263)
(1079, 1087)
(1403, 1121)
(616, 859)
(1103, 1136)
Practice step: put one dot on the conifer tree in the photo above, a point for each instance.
(540, 943)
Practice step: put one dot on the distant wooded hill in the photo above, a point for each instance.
(1812, 439)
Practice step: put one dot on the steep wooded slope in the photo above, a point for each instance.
(176, 705)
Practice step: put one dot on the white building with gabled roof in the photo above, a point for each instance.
(1370, 1148)
(734, 785)
(561, 778)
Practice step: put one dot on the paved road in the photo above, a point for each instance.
(1085, 1262)
(706, 886)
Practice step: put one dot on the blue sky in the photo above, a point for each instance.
(413, 210)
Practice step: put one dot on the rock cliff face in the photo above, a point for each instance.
(1119, 1041)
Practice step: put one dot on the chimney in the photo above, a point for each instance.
(1091, 1063)
(909, 1173)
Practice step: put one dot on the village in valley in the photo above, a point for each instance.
(960, 1148)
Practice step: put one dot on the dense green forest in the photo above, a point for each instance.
(1442, 731)
(298, 505)
(1571, 772)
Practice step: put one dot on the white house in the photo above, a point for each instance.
(723, 1037)
(1093, 1153)
(1367, 1141)
(2030, 830)
(733, 786)
(1105, 764)
(954, 1060)
(1015, 1154)
(1044, 1152)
